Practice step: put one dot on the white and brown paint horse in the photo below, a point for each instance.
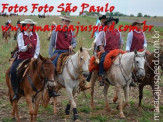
(120, 76)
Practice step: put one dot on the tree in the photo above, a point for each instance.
(131, 15)
(139, 15)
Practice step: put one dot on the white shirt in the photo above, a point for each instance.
(130, 38)
(23, 48)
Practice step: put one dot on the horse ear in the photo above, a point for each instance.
(135, 51)
(53, 57)
(42, 58)
(81, 49)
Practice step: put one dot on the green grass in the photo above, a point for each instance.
(83, 104)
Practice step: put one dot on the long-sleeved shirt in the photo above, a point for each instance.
(52, 44)
(101, 40)
(130, 38)
(24, 48)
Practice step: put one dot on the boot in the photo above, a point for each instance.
(89, 77)
(83, 86)
(53, 93)
(101, 82)
(16, 96)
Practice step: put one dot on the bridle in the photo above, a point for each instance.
(123, 70)
(78, 70)
(46, 80)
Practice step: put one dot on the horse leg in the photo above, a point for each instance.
(141, 86)
(37, 106)
(30, 106)
(126, 91)
(93, 80)
(67, 110)
(118, 89)
(15, 110)
(106, 86)
(71, 98)
(115, 97)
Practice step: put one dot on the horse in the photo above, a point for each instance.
(76, 66)
(149, 77)
(38, 74)
(119, 75)
(6, 34)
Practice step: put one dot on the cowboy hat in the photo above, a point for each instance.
(102, 17)
(111, 19)
(28, 21)
(137, 22)
(65, 18)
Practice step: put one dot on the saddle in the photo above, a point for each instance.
(109, 59)
(22, 69)
(62, 61)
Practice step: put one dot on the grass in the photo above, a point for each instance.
(99, 114)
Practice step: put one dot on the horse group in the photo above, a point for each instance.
(40, 76)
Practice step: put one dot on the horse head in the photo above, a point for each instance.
(47, 69)
(139, 61)
(83, 60)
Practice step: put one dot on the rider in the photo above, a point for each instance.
(18, 30)
(29, 47)
(107, 41)
(62, 42)
(136, 40)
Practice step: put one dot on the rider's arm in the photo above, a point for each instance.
(73, 41)
(121, 41)
(21, 45)
(52, 43)
(145, 41)
(129, 41)
(100, 41)
(37, 51)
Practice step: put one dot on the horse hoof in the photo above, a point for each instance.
(121, 116)
(67, 116)
(75, 118)
(140, 108)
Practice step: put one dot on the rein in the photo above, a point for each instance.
(45, 81)
(77, 70)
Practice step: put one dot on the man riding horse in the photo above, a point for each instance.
(28, 47)
(107, 41)
(62, 42)
(136, 39)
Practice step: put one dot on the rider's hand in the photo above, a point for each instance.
(29, 46)
(70, 48)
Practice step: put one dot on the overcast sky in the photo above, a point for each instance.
(149, 7)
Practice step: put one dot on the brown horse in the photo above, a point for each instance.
(149, 78)
(40, 73)
(6, 34)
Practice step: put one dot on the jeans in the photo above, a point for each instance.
(59, 52)
(101, 64)
(13, 74)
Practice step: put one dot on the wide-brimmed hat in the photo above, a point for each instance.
(102, 17)
(53, 23)
(28, 21)
(137, 22)
(65, 18)
(111, 19)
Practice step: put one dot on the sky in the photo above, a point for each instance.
(149, 7)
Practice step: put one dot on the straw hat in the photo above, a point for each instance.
(28, 21)
(137, 22)
(65, 18)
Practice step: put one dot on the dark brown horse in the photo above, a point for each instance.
(149, 78)
(5, 35)
(40, 72)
